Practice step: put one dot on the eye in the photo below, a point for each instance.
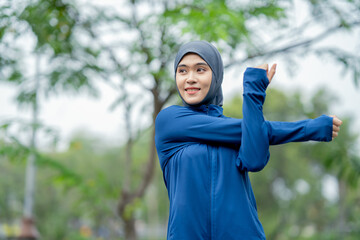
(201, 69)
(181, 70)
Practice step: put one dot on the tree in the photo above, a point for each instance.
(50, 26)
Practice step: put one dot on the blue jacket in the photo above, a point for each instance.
(205, 158)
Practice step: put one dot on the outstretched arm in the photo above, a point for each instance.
(324, 128)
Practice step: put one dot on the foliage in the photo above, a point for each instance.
(268, 29)
(54, 34)
(89, 201)
(231, 23)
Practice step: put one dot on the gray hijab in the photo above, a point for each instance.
(213, 58)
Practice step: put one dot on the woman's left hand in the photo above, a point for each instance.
(270, 74)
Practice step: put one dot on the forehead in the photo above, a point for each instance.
(191, 58)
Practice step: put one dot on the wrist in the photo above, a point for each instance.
(319, 129)
(255, 79)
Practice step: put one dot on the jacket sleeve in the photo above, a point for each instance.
(254, 150)
(318, 129)
(179, 124)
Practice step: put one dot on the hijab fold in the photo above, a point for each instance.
(212, 57)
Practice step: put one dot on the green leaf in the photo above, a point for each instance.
(27, 97)
(16, 77)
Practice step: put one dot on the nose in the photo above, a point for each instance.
(191, 78)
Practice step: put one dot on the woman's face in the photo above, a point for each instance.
(193, 78)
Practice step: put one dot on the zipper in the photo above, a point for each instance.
(212, 195)
(212, 187)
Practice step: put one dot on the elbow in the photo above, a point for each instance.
(254, 164)
(257, 167)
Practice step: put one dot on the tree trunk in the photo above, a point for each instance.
(341, 222)
(28, 229)
(129, 228)
(127, 195)
(127, 218)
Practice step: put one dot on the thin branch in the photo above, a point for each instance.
(290, 47)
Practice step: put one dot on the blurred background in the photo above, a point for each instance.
(81, 82)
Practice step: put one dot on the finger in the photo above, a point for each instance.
(265, 66)
(337, 121)
(272, 72)
(334, 134)
(336, 128)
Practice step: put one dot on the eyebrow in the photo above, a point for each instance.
(197, 64)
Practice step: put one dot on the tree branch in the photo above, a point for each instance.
(290, 47)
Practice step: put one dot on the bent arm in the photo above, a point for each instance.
(254, 150)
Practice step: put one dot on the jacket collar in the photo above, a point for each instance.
(211, 110)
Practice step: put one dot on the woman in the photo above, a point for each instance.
(205, 156)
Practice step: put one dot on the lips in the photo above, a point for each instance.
(192, 90)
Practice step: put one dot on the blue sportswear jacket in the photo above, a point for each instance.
(205, 158)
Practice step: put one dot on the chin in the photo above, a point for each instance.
(192, 102)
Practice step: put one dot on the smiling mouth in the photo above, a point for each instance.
(192, 90)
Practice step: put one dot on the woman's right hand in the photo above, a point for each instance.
(336, 126)
(270, 74)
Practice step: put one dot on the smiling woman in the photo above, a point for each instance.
(201, 59)
(205, 156)
(193, 78)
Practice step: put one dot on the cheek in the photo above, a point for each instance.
(208, 80)
(179, 83)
